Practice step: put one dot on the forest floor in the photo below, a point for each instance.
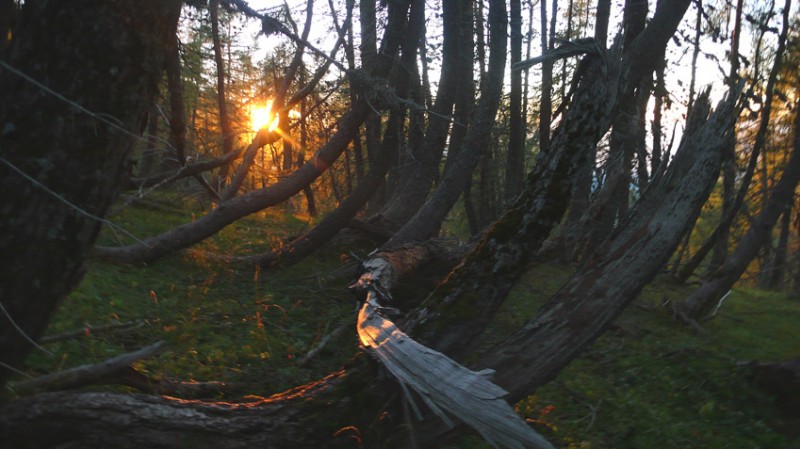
(649, 382)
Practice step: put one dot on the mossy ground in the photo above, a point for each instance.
(649, 382)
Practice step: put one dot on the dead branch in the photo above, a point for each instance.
(87, 374)
(323, 342)
(92, 331)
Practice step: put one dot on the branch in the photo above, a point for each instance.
(88, 374)
(90, 330)
(567, 49)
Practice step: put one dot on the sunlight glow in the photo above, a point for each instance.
(261, 117)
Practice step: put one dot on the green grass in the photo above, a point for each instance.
(649, 382)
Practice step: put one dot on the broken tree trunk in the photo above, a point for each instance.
(445, 386)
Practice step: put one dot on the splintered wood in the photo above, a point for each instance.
(448, 388)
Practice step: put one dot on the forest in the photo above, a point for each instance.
(399, 223)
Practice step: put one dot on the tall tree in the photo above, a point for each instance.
(729, 164)
(428, 219)
(758, 146)
(69, 128)
(225, 127)
(515, 159)
(423, 170)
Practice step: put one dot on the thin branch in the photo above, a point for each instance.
(87, 374)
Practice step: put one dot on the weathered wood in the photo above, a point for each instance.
(615, 274)
(444, 385)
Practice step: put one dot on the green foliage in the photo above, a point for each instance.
(235, 325)
(652, 382)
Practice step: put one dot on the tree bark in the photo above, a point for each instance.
(62, 164)
(617, 272)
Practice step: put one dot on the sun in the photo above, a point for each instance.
(261, 117)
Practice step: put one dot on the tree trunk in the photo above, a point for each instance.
(424, 169)
(546, 102)
(702, 300)
(729, 164)
(777, 272)
(601, 22)
(760, 140)
(428, 219)
(62, 164)
(515, 160)
(225, 128)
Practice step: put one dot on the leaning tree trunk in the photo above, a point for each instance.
(702, 300)
(730, 212)
(520, 232)
(77, 82)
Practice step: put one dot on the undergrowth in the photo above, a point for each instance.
(649, 382)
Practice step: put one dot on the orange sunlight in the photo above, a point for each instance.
(261, 117)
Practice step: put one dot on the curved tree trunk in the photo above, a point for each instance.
(702, 300)
(61, 166)
(424, 169)
(428, 219)
(729, 212)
